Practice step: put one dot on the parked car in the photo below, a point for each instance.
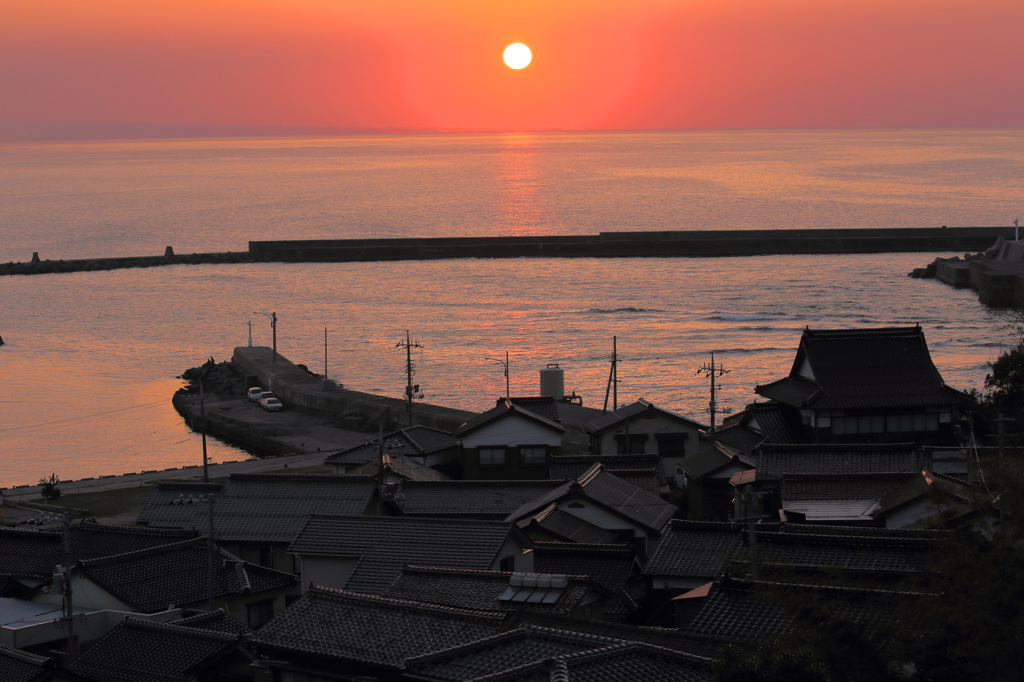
(265, 394)
(271, 404)
(255, 393)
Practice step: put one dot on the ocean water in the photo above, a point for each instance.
(91, 359)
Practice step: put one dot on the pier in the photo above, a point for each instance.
(692, 243)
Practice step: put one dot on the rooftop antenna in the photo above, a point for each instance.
(713, 372)
(613, 379)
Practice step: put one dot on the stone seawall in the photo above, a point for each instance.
(300, 390)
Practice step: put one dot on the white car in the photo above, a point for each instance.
(271, 404)
(255, 393)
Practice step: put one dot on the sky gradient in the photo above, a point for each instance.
(597, 64)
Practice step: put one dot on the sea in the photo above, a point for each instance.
(90, 360)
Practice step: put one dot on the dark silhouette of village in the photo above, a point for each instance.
(824, 532)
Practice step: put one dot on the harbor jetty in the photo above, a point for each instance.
(688, 243)
(996, 274)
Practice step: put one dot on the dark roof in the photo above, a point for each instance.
(490, 590)
(385, 544)
(841, 486)
(623, 661)
(172, 503)
(32, 553)
(399, 466)
(611, 492)
(694, 550)
(566, 527)
(639, 409)
(477, 499)
(264, 508)
(141, 651)
(862, 368)
(744, 611)
(412, 441)
(778, 422)
(504, 408)
(525, 645)
(151, 580)
(565, 413)
(774, 461)
(713, 459)
(356, 627)
(215, 621)
(644, 471)
(611, 566)
(21, 666)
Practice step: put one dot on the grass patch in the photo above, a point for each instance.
(104, 503)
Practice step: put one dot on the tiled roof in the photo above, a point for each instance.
(790, 391)
(623, 661)
(842, 554)
(629, 412)
(476, 499)
(694, 549)
(611, 567)
(172, 503)
(565, 413)
(413, 441)
(151, 580)
(778, 422)
(774, 461)
(385, 544)
(841, 486)
(867, 368)
(710, 460)
(744, 611)
(573, 467)
(524, 645)
(21, 666)
(264, 508)
(141, 651)
(500, 411)
(611, 492)
(356, 627)
(399, 466)
(30, 553)
(487, 590)
(563, 526)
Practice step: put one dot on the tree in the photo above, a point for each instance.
(48, 487)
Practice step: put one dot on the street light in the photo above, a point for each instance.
(504, 363)
(273, 327)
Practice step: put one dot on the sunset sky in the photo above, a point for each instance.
(597, 64)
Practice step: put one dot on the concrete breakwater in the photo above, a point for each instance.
(693, 243)
(997, 274)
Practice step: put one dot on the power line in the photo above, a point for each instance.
(84, 417)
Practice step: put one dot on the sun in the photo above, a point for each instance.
(517, 56)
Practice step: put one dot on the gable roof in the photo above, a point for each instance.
(568, 414)
(412, 441)
(21, 666)
(611, 566)
(346, 626)
(566, 527)
(643, 470)
(264, 508)
(385, 544)
(151, 580)
(838, 497)
(611, 492)
(142, 651)
(639, 409)
(503, 410)
(474, 499)
(775, 461)
(886, 367)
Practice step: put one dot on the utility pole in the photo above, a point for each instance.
(202, 430)
(212, 579)
(613, 378)
(325, 352)
(410, 390)
(65, 584)
(712, 372)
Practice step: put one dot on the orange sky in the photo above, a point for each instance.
(598, 64)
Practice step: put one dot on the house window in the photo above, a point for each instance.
(259, 612)
(671, 444)
(630, 443)
(533, 454)
(490, 457)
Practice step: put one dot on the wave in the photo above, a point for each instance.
(616, 311)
